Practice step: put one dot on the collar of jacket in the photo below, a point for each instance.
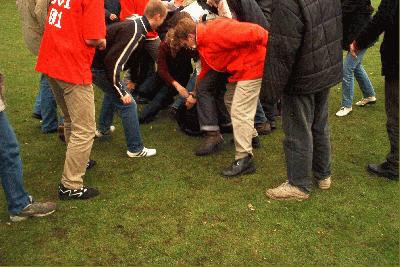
(146, 24)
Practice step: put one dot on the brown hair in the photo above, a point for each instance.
(184, 27)
(155, 7)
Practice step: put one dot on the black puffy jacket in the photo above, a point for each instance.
(385, 20)
(356, 15)
(304, 54)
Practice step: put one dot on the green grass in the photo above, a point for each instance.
(176, 209)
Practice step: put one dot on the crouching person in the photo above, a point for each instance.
(20, 203)
(303, 74)
(239, 49)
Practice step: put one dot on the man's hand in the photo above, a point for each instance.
(113, 17)
(126, 99)
(353, 49)
(190, 102)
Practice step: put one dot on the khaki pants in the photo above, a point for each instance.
(241, 101)
(77, 104)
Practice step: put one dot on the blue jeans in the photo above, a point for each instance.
(260, 115)
(11, 168)
(128, 114)
(180, 101)
(45, 105)
(353, 67)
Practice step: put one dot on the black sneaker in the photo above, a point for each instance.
(82, 193)
(90, 164)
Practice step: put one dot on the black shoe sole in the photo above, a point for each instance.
(250, 170)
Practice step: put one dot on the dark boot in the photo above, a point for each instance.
(384, 170)
(239, 167)
(263, 128)
(212, 143)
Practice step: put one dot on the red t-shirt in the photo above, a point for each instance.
(130, 7)
(64, 54)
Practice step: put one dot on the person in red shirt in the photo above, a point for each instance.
(239, 51)
(74, 29)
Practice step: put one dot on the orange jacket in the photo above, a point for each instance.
(238, 48)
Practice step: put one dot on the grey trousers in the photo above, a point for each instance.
(392, 124)
(307, 142)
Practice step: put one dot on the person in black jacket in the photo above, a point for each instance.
(356, 14)
(304, 61)
(112, 8)
(386, 20)
(123, 41)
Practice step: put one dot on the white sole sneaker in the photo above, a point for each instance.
(366, 101)
(146, 152)
(99, 134)
(343, 111)
(325, 183)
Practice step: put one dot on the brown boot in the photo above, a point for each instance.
(212, 143)
(263, 128)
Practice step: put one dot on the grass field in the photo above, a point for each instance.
(175, 208)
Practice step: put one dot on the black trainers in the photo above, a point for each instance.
(90, 164)
(82, 193)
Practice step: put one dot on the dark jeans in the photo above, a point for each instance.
(11, 168)
(163, 96)
(307, 143)
(210, 102)
(392, 124)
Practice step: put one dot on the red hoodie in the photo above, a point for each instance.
(238, 48)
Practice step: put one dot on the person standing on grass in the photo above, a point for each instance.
(20, 204)
(386, 20)
(304, 61)
(356, 14)
(240, 51)
(74, 29)
(33, 17)
(123, 39)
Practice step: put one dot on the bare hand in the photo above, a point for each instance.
(182, 91)
(353, 49)
(190, 102)
(113, 17)
(126, 99)
(102, 44)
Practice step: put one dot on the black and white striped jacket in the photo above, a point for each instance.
(123, 39)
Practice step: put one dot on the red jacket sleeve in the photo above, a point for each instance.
(163, 69)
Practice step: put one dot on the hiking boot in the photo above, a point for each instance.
(34, 209)
(286, 191)
(384, 170)
(325, 183)
(145, 152)
(368, 100)
(240, 167)
(99, 134)
(263, 128)
(255, 142)
(212, 143)
(82, 193)
(344, 111)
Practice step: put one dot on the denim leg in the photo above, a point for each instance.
(297, 120)
(148, 89)
(349, 65)
(180, 101)
(260, 115)
(363, 79)
(48, 106)
(11, 168)
(392, 124)
(128, 113)
(321, 137)
(36, 106)
(106, 114)
(162, 98)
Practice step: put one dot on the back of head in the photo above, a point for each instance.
(184, 27)
(155, 7)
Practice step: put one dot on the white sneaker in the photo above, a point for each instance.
(146, 152)
(365, 101)
(344, 111)
(99, 134)
(325, 183)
